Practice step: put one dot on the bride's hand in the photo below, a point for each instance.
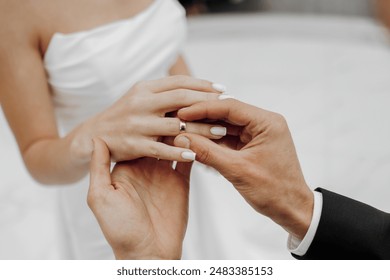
(142, 207)
(132, 125)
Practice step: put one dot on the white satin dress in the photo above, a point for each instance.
(87, 72)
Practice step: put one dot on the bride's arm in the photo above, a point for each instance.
(26, 102)
(129, 127)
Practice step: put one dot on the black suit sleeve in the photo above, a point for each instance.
(349, 229)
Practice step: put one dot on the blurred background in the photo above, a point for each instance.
(347, 7)
(323, 64)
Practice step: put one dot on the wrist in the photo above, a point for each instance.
(80, 146)
(130, 255)
(292, 210)
(299, 246)
(295, 213)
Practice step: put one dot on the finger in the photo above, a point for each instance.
(184, 168)
(171, 127)
(165, 152)
(207, 152)
(100, 176)
(169, 141)
(208, 130)
(186, 82)
(176, 99)
(229, 110)
(231, 129)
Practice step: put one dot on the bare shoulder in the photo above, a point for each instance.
(19, 23)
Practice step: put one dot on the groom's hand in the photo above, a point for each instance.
(142, 206)
(258, 157)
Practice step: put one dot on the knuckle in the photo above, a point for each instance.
(154, 152)
(180, 78)
(235, 170)
(141, 85)
(134, 101)
(204, 156)
(173, 126)
(210, 96)
(195, 128)
(92, 197)
(129, 147)
(133, 128)
(181, 95)
(131, 123)
(279, 117)
(279, 123)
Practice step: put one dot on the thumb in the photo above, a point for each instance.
(100, 176)
(207, 152)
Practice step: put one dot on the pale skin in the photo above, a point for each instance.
(257, 156)
(26, 28)
(142, 207)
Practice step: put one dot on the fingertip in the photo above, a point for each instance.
(219, 87)
(224, 96)
(218, 131)
(182, 141)
(188, 155)
(181, 113)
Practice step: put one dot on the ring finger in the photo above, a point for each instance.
(174, 126)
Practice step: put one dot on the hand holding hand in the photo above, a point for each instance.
(142, 207)
(132, 126)
(258, 157)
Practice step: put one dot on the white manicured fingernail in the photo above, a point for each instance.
(225, 96)
(219, 87)
(218, 131)
(188, 155)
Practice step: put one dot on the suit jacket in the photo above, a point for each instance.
(349, 229)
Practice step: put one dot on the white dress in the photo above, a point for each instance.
(87, 72)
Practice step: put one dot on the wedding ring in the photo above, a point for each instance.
(182, 126)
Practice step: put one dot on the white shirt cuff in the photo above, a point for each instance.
(300, 247)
